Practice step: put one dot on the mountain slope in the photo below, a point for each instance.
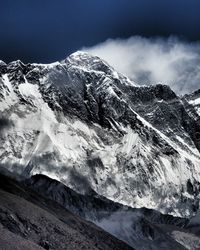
(140, 228)
(30, 221)
(82, 123)
(194, 100)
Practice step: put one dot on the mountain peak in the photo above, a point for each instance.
(79, 53)
(79, 56)
(2, 66)
(2, 63)
(88, 61)
(17, 62)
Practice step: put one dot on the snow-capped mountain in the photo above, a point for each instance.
(82, 123)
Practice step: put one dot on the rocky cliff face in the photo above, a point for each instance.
(194, 100)
(82, 123)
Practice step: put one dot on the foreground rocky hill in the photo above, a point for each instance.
(30, 221)
(30, 218)
(140, 228)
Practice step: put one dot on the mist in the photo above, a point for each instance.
(148, 61)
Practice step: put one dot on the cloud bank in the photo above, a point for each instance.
(154, 60)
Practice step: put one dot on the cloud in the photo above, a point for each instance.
(154, 60)
(80, 181)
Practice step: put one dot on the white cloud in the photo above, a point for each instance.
(150, 61)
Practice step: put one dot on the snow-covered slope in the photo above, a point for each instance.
(194, 100)
(84, 124)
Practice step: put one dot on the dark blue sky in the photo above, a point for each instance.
(49, 30)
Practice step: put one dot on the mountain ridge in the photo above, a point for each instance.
(89, 126)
